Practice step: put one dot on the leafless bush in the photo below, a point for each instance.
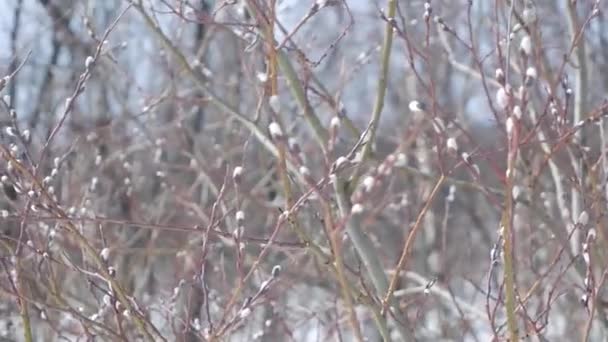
(181, 170)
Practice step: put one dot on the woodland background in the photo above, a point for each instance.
(188, 170)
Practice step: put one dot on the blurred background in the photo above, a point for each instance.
(164, 163)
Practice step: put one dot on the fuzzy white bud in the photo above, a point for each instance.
(240, 216)
(531, 73)
(586, 258)
(500, 75)
(275, 130)
(525, 46)
(26, 135)
(237, 173)
(14, 149)
(516, 192)
(276, 271)
(341, 161)
(554, 110)
(510, 124)
(357, 209)
(401, 160)
(244, 313)
(335, 123)
(304, 171)
(592, 234)
(452, 145)
(583, 218)
(502, 98)
(416, 106)
(275, 103)
(368, 183)
(105, 254)
(89, 61)
(385, 168)
(262, 77)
